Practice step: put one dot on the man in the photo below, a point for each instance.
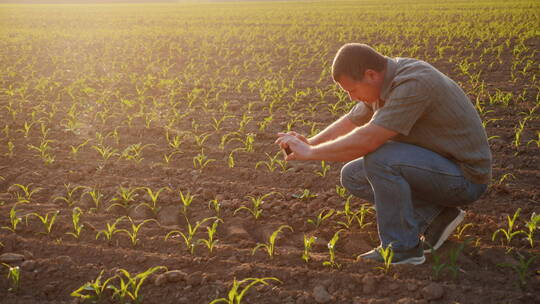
(415, 144)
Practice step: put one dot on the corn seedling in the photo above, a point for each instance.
(438, 265)
(130, 288)
(152, 205)
(321, 217)
(230, 159)
(200, 139)
(305, 195)
(14, 219)
(47, 221)
(168, 157)
(532, 225)
(387, 254)
(361, 215)
(124, 197)
(256, 203)
(133, 234)
(11, 148)
(237, 292)
(201, 161)
(186, 199)
(460, 229)
(453, 256)
(324, 169)
(210, 243)
(188, 238)
(216, 123)
(93, 290)
(95, 196)
(134, 152)
(43, 150)
(271, 245)
(308, 242)
(215, 205)
(522, 269)
(332, 251)
(76, 221)
(272, 163)
(70, 192)
(26, 194)
(173, 142)
(341, 191)
(509, 232)
(14, 275)
(106, 152)
(75, 149)
(110, 229)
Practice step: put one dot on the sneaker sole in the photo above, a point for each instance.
(413, 261)
(447, 231)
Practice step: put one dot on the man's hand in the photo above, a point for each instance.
(297, 143)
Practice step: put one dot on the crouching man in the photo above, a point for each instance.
(414, 144)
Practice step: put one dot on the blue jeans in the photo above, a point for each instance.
(410, 186)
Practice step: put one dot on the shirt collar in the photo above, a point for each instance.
(391, 67)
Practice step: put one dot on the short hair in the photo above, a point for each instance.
(353, 59)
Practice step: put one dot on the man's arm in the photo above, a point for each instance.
(355, 144)
(338, 128)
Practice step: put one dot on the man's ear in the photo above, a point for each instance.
(370, 75)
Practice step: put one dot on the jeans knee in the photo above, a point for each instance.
(346, 177)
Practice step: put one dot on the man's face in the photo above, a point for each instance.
(368, 89)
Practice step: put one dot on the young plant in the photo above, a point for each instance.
(93, 290)
(324, 169)
(130, 288)
(70, 192)
(305, 195)
(188, 238)
(215, 205)
(522, 269)
(152, 205)
(532, 226)
(237, 292)
(271, 245)
(186, 199)
(95, 196)
(76, 221)
(387, 255)
(134, 152)
(14, 275)
(341, 191)
(210, 243)
(308, 242)
(105, 152)
(26, 194)
(361, 215)
(47, 221)
(14, 219)
(453, 255)
(110, 229)
(133, 234)
(509, 233)
(461, 229)
(75, 149)
(332, 251)
(201, 161)
(438, 265)
(124, 197)
(321, 217)
(256, 203)
(273, 162)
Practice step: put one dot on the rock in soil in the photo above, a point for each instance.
(10, 257)
(321, 295)
(433, 291)
(170, 277)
